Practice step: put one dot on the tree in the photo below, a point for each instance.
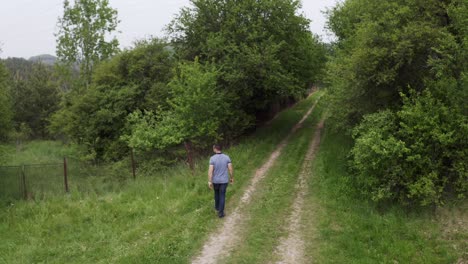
(133, 80)
(19, 68)
(197, 110)
(81, 36)
(5, 104)
(35, 95)
(264, 49)
(35, 99)
(398, 81)
(384, 48)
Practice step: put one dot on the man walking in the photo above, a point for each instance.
(218, 178)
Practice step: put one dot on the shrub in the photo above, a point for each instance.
(417, 154)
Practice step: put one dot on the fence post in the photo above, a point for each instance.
(65, 174)
(23, 182)
(133, 165)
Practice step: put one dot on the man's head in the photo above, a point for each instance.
(217, 148)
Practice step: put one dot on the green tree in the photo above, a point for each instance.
(264, 49)
(383, 49)
(133, 80)
(35, 95)
(36, 99)
(82, 32)
(399, 78)
(19, 68)
(197, 110)
(5, 104)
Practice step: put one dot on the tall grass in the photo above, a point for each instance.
(162, 218)
(41, 163)
(37, 152)
(343, 228)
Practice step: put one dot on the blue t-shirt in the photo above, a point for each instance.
(220, 162)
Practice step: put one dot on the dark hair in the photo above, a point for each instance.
(218, 147)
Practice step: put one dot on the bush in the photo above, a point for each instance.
(417, 154)
(134, 80)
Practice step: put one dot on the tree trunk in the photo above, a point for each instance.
(188, 149)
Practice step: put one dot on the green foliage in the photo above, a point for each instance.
(264, 49)
(408, 149)
(36, 91)
(22, 134)
(133, 80)
(36, 96)
(342, 227)
(377, 152)
(384, 48)
(19, 68)
(249, 64)
(196, 111)
(5, 104)
(82, 32)
(417, 154)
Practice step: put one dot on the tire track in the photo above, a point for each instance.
(221, 242)
(291, 248)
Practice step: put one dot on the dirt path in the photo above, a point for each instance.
(222, 241)
(291, 248)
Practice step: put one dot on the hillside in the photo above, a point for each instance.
(44, 58)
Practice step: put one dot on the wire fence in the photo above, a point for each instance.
(38, 181)
(10, 182)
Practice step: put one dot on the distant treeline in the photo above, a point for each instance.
(31, 93)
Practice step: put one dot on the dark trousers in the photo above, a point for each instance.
(220, 196)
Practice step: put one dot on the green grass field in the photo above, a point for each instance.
(343, 228)
(161, 218)
(42, 163)
(167, 216)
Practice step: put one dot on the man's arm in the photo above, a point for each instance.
(231, 173)
(210, 176)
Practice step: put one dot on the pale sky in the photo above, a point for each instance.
(27, 26)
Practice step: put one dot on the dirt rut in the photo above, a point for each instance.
(291, 248)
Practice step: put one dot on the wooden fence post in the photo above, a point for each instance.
(65, 174)
(133, 165)
(23, 183)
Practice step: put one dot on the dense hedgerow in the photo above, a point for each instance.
(419, 153)
(398, 82)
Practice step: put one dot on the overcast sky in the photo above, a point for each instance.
(27, 26)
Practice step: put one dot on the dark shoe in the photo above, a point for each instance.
(221, 214)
